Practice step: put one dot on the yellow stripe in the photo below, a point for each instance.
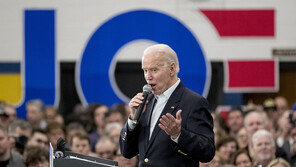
(10, 88)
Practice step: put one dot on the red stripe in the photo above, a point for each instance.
(242, 22)
(252, 74)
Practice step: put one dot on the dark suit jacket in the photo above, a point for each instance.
(196, 141)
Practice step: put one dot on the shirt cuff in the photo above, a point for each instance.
(176, 139)
(131, 124)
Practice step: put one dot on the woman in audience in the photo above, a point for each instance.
(241, 158)
(226, 146)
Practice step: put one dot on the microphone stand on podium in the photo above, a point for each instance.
(63, 158)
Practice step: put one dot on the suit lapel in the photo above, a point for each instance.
(149, 110)
(170, 107)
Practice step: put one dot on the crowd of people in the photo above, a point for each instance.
(252, 135)
(92, 131)
(256, 135)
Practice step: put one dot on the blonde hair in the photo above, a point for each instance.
(279, 160)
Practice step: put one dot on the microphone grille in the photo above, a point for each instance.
(147, 88)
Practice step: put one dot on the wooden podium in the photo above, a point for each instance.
(71, 159)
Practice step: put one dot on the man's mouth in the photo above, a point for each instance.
(152, 85)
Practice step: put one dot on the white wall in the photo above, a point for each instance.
(76, 20)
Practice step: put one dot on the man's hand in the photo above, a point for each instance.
(171, 125)
(134, 103)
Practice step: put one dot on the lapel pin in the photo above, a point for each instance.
(172, 107)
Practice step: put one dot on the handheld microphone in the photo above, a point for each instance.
(147, 89)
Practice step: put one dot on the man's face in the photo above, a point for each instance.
(38, 139)
(114, 117)
(4, 143)
(156, 73)
(33, 113)
(105, 150)
(263, 148)
(80, 146)
(99, 115)
(235, 120)
(254, 122)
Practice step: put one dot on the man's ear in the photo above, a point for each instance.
(173, 69)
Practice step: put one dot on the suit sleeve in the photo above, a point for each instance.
(197, 136)
(128, 141)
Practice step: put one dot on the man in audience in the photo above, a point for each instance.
(79, 143)
(264, 147)
(105, 148)
(19, 132)
(235, 120)
(35, 114)
(54, 131)
(38, 138)
(114, 116)
(35, 156)
(8, 157)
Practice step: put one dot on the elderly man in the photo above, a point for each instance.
(176, 128)
(264, 147)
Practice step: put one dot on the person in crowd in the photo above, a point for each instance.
(112, 130)
(51, 115)
(73, 128)
(235, 120)
(219, 126)
(180, 130)
(38, 138)
(7, 114)
(124, 162)
(123, 108)
(114, 116)
(269, 107)
(284, 138)
(281, 104)
(264, 147)
(253, 122)
(19, 132)
(242, 138)
(279, 162)
(35, 114)
(97, 112)
(35, 156)
(8, 157)
(54, 131)
(241, 158)
(105, 148)
(79, 143)
(226, 146)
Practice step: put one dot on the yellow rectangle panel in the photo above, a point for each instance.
(10, 88)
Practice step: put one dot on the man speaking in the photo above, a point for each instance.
(175, 128)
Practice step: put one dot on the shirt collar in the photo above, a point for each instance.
(169, 91)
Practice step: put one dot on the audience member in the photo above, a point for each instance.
(114, 116)
(235, 120)
(279, 162)
(51, 115)
(73, 128)
(35, 114)
(19, 132)
(8, 157)
(226, 146)
(97, 112)
(242, 138)
(105, 148)
(112, 131)
(36, 156)
(79, 143)
(54, 131)
(264, 147)
(241, 158)
(38, 138)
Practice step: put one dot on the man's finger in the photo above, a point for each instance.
(178, 115)
(171, 117)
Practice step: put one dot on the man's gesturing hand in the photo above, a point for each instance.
(171, 125)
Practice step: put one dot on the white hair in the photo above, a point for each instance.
(261, 133)
(169, 53)
(111, 126)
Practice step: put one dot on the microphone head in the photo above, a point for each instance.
(147, 88)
